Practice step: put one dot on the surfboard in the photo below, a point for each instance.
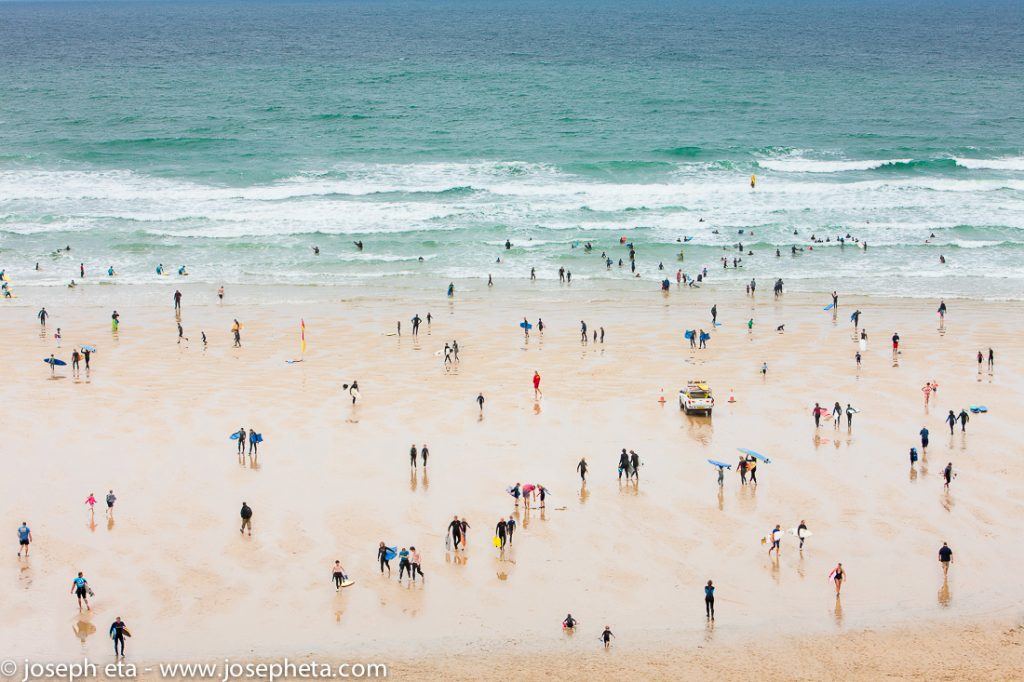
(390, 553)
(496, 541)
(348, 583)
(54, 361)
(978, 408)
(233, 436)
(755, 455)
(91, 349)
(259, 437)
(807, 533)
(830, 306)
(526, 325)
(716, 463)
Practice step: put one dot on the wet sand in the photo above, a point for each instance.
(152, 422)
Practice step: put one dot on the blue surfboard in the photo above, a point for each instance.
(830, 306)
(526, 325)
(719, 464)
(390, 553)
(233, 436)
(755, 455)
(57, 362)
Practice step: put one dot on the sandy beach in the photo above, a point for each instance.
(151, 421)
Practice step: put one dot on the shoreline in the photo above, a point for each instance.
(431, 291)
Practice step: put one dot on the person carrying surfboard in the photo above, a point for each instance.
(338, 574)
(118, 631)
(384, 556)
(501, 533)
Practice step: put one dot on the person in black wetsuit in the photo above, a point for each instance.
(510, 526)
(455, 528)
(623, 464)
(412, 455)
(382, 557)
(501, 530)
(634, 464)
(709, 600)
(118, 631)
(582, 468)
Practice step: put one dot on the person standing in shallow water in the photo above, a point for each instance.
(709, 600)
(838, 576)
(582, 468)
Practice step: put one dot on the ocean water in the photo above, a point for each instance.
(231, 137)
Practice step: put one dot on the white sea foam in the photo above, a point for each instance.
(801, 165)
(1004, 164)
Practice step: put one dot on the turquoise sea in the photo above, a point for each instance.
(232, 136)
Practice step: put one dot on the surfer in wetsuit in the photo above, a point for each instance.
(500, 530)
(951, 420)
(412, 455)
(801, 532)
(455, 528)
(241, 440)
(709, 600)
(118, 631)
(464, 526)
(623, 464)
(606, 636)
(382, 557)
(569, 623)
(634, 465)
(947, 474)
(582, 468)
